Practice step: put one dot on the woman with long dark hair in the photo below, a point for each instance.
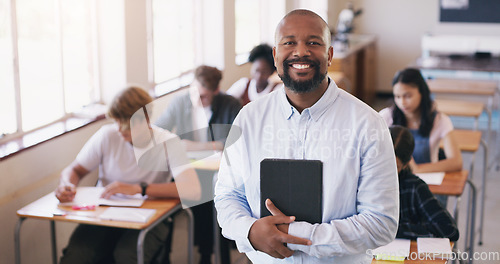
(413, 108)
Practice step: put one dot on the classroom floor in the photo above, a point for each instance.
(487, 253)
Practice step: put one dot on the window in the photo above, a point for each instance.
(51, 43)
(256, 22)
(174, 45)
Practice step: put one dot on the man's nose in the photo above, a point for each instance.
(301, 50)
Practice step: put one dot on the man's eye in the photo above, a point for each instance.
(314, 43)
(288, 43)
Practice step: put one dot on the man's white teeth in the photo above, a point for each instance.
(301, 66)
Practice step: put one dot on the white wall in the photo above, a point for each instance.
(399, 26)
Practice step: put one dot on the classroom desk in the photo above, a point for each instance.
(44, 207)
(469, 141)
(453, 185)
(461, 108)
(414, 252)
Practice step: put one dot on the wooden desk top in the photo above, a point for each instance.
(459, 108)
(459, 86)
(44, 207)
(468, 140)
(453, 184)
(413, 257)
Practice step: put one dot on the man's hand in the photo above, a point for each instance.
(65, 192)
(120, 187)
(275, 211)
(266, 237)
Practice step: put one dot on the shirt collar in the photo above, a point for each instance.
(316, 110)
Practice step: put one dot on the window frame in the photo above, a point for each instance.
(95, 92)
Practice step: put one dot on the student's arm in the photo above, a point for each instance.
(195, 146)
(453, 161)
(187, 180)
(435, 221)
(70, 177)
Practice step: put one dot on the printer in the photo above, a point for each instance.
(460, 45)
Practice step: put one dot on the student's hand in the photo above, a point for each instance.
(265, 236)
(65, 192)
(413, 165)
(120, 187)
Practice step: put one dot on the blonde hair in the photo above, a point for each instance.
(127, 102)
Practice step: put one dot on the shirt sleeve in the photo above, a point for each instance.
(376, 221)
(233, 211)
(91, 154)
(168, 118)
(443, 125)
(386, 114)
(238, 88)
(434, 220)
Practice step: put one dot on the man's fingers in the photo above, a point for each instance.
(281, 219)
(283, 251)
(272, 208)
(289, 239)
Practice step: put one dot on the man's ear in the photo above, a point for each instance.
(274, 56)
(217, 90)
(330, 56)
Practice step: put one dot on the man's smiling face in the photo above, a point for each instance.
(302, 53)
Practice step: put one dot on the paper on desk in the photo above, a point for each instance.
(92, 196)
(397, 250)
(139, 215)
(436, 247)
(204, 154)
(431, 178)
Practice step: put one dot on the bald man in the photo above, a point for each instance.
(310, 119)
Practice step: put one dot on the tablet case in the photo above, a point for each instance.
(294, 186)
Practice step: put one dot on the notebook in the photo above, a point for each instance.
(92, 196)
(432, 178)
(294, 186)
(397, 250)
(435, 247)
(139, 215)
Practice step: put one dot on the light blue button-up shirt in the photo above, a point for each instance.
(360, 185)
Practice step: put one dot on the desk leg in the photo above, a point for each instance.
(190, 235)
(53, 241)
(472, 214)
(216, 237)
(483, 191)
(140, 246)
(17, 240)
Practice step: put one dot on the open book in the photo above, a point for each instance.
(92, 196)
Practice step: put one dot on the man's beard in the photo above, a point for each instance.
(302, 86)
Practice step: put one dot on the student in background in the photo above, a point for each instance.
(413, 108)
(421, 215)
(111, 149)
(260, 82)
(194, 116)
(202, 119)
